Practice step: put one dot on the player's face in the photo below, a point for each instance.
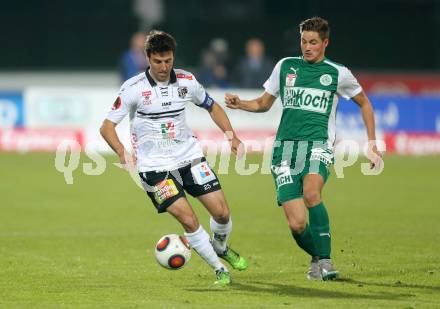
(161, 65)
(312, 46)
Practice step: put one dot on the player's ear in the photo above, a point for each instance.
(326, 42)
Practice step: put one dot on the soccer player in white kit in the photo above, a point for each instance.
(168, 156)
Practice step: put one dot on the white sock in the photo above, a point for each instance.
(199, 241)
(221, 234)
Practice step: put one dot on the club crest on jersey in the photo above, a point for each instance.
(167, 130)
(325, 80)
(290, 80)
(182, 91)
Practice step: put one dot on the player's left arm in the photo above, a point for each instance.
(367, 113)
(222, 121)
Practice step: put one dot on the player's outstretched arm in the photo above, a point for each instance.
(222, 121)
(367, 113)
(259, 105)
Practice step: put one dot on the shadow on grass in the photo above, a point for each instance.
(294, 291)
(397, 284)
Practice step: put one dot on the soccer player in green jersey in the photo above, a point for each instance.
(309, 87)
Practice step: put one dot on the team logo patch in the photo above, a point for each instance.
(202, 173)
(164, 190)
(182, 91)
(117, 104)
(325, 80)
(167, 130)
(290, 80)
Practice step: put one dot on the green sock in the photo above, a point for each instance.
(320, 226)
(305, 241)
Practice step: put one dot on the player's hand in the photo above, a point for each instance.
(375, 157)
(232, 101)
(237, 147)
(128, 161)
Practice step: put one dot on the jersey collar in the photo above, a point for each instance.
(153, 83)
(315, 63)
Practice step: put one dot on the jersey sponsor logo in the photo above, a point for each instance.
(165, 190)
(184, 76)
(325, 79)
(146, 95)
(166, 103)
(284, 180)
(167, 130)
(202, 173)
(290, 80)
(117, 104)
(283, 175)
(182, 92)
(314, 100)
(147, 101)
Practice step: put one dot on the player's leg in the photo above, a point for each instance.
(220, 220)
(296, 215)
(201, 182)
(289, 190)
(198, 238)
(167, 194)
(221, 227)
(319, 223)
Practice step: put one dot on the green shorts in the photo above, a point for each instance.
(292, 160)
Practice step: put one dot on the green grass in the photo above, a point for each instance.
(91, 244)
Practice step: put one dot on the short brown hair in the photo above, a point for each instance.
(316, 24)
(158, 42)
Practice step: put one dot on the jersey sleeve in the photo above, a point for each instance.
(123, 104)
(348, 85)
(201, 98)
(272, 85)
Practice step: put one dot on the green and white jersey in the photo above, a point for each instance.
(309, 94)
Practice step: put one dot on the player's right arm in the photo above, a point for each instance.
(121, 107)
(258, 105)
(108, 132)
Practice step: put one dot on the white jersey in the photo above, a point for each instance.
(161, 138)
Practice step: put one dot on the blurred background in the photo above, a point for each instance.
(62, 62)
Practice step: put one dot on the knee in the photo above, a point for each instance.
(312, 197)
(222, 214)
(222, 217)
(297, 226)
(190, 223)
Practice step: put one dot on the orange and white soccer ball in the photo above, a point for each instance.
(173, 251)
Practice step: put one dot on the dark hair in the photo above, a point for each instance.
(316, 24)
(158, 42)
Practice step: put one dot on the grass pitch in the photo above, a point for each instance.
(91, 244)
